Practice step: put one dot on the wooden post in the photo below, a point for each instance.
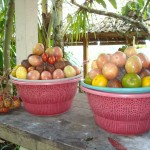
(26, 27)
(85, 55)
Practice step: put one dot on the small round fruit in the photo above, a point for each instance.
(94, 64)
(35, 60)
(45, 57)
(78, 71)
(110, 71)
(25, 63)
(13, 72)
(1, 104)
(51, 60)
(4, 110)
(94, 72)
(7, 103)
(88, 80)
(58, 74)
(50, 68)
(146, 81)
(69, 71)
(59, 64)
(21, 73)
(131, 80)
(115, 83)
(144, 59)
(133, 64)
(31, 68)
(130, 51)
(33, 75)
(46, 75)
(50, 51)
(1, 97)
(16, 103)
(118, 58)
(100, 80)
(38, 49)
(58, 52)
(102, 60)
(144, 72)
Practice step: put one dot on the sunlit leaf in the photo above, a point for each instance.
(102, 2)
(148, 8)
(69, 18)
(113, 2)
(145, 15)
(141, 2)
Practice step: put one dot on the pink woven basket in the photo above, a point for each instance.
(126, 114)
(47, 98)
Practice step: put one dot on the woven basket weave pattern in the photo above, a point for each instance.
(47, 94)
(127, 109)
(119, 113)
(47, 98)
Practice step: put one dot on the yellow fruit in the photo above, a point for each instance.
(146, 81)
(21, 73)
(13, 72)
(99, 80)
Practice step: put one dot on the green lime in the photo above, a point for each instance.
(131, 80)
(88, 80)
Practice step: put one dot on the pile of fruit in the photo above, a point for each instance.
(45, 65)
(9, 103)
(7, 100)
(128, 69)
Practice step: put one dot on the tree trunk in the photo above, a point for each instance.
(57, 24)
(8, 34)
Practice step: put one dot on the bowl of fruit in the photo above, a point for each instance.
(46, 82)
(118, 91)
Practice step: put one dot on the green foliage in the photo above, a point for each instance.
(123, 48)
(3, 11)
(102, 2)
(114, 4)
(134, 9)
(79, 26)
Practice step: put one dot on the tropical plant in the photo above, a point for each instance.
(134, 13)
(9, 56)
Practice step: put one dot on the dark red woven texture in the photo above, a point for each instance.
(47, 99)
(121, 114)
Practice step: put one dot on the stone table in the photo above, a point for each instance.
(74, 130)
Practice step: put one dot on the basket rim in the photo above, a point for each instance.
(117, 95)
(139, 90)
(45, 82)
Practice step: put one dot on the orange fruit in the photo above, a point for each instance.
(146, 81)
(99, 80)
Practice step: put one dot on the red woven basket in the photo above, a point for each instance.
(126, 114)
(47, 98)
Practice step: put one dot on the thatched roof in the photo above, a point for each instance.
(109, 24)
(110, 30)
